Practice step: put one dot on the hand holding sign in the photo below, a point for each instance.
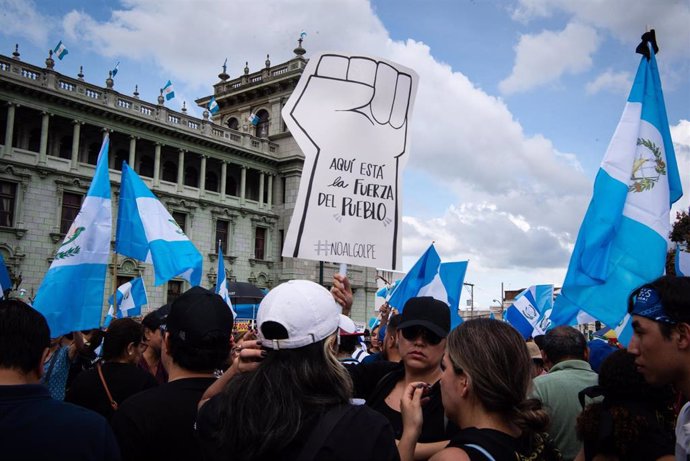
(350, 117)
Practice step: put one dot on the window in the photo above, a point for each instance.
(93, 151)
(259, 242)
(191, 177)
(121, 156)
(283, 189)
(180, 219)
(233, 123)
(281, 234)
(169, 171)
(146, 166)
(222, 235)
(262, 126)
(71, 203)
(8, 198)
(121, 280)
(211, 181)
(174, 290)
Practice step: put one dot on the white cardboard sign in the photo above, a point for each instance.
(350, 116)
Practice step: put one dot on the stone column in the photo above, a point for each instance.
(157, 166)
(43, 149)
(76, 134)
(261, 189)
(9, 128)
(243, 184)
(223, 179)
(180, 170)
(270, 191)
(132, 151)
(202, 174)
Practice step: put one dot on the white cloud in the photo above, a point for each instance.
(617, 82)
(680, 134)
(545, 57)
(22, 18)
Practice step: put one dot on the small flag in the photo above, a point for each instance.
(5, 281)
(146, 231)
(682, 261)
(530, 311)
(302, 35)
(71, 293)
(253, 119)
(213, 106)
(114, 71)
(222, 282)
(60, 50)
(130, 297)
(168, 91)
(622, 242)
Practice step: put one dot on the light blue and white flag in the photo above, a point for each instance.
(146, 231)
(622, 242)
(682, 261)
(213, 106)
(115, 69)
(387, 290)
(526, 314)
(71, 293)
(423, 273)
(130, 297)
(253, 119)
(60, 50)
(624, 330)
(168, 91)
(222, 282)
(453, 277)
(5, 281)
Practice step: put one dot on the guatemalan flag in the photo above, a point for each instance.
(529, 313)
(622, 242)
(253, 119)
(222, 282)
(5, 281)
(146, 231)
(130, 297)
(213, 106)
(168, 91)
(71, 293)
(60, 50)
(682, 261)
(428, 277)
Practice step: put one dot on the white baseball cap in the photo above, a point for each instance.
(306, 310)
(348, 327)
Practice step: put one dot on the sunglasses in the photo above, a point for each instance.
(412, 333)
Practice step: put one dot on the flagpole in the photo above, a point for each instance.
(114, 285)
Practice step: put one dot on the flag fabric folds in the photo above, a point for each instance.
(213, 106)
(682, 261)
(60, 50)
(168, 91)
(622, 241)
(254, 119)
(130, 297)
(529, 312)
(115, 69)
(453, 277)
(222, 282)
(71, 293)
(146, 231)
(5, 281)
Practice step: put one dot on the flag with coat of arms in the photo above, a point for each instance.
(622, 242)
(222, 282)
(130, 297)
(529, 313)
(71, 294)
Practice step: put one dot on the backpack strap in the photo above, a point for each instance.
(480, 450)
(113, 403)
(323, 429)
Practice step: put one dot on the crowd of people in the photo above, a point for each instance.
(307, 384)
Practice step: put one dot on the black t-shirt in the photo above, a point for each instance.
(374, 381)
(490, 444)
(361, 434)
(159, 423)
(123, 380)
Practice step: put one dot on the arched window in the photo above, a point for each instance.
(211, 181)
(191, 177)
(233, 123)
(262, 126)
(146, 166)
(169, 171)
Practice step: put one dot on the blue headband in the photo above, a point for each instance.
(647, 304)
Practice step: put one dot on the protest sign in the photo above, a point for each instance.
(350, 116)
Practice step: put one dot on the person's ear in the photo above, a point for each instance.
(131, 347)
(165, 346)
(683, 335)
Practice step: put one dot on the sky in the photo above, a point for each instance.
(516, 105)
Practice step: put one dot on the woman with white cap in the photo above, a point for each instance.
(296, 403)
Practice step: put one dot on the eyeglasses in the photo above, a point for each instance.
(414, 332)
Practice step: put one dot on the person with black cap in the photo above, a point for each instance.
(424, 325)
(159, 423)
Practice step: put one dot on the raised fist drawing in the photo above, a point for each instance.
(350, 117)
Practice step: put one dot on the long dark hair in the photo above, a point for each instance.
(266, 409)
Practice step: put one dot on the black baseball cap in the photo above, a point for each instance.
(427, 312)
(199, 317)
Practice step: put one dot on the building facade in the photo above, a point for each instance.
(231, 177)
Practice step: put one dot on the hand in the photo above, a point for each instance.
(342, 292)
(411, 408)
(249, 355)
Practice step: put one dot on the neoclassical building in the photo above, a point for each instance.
(222, 177)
